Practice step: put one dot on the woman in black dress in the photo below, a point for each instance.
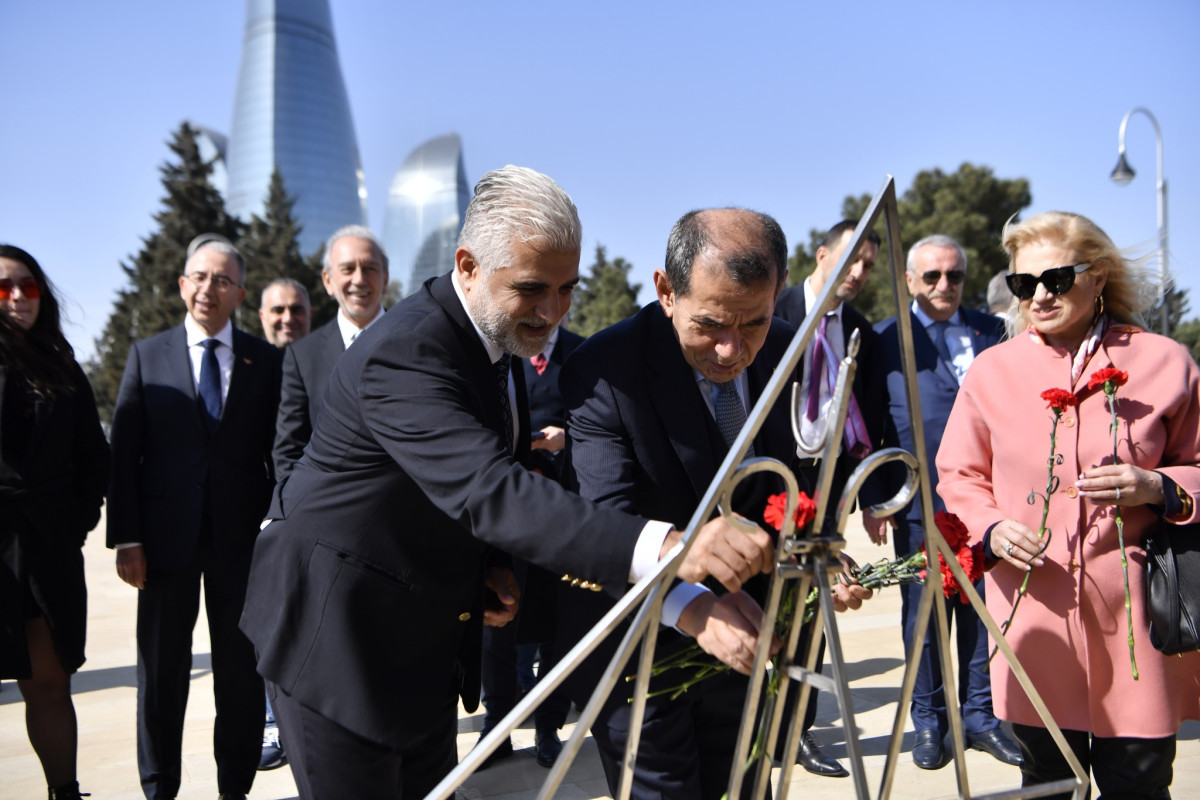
(54, 465)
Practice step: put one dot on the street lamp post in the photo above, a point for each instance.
(1123, 174)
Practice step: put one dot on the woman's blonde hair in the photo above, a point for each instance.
(1131, 286)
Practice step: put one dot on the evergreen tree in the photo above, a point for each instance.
(971, 205)
(150, 303)
(604, 298)
(271, 248)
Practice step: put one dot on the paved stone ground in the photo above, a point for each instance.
(105, 690)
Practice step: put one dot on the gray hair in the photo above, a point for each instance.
(290, 283)
(217, 243)
(999, 298)
(936, 240)
(358, 232)
(518, 202)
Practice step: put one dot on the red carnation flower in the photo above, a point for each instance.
(1059, 399)
(1103, 377)
(806, 509)
(952, 529)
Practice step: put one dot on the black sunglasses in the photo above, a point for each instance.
(954, 276)
(1057, 280)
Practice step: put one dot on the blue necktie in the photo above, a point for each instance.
(210, 385)
(937, 332)
(730, 413)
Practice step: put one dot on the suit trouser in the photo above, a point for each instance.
(971, 641)
(167, 612)
(1125, 768)
(500, 685)
(686, 746)
(330, 762)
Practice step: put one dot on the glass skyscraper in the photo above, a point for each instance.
(426, 204)
(292, 112)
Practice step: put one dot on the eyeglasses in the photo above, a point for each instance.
(28, 286)
(1057, 280)
(954, 276)
(222, 283)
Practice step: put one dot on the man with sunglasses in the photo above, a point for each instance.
(946, 338)
(191, 481)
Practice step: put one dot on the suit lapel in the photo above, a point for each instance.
(478, 364)
(238, 381)
(679, 405)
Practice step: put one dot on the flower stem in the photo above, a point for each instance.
(1110, 390)
(1043, 531)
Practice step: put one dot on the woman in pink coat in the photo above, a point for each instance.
(1076, 312)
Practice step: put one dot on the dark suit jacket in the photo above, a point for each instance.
(365, 595)
(165, 465)
(306, 367)
(50, 497)
(641, 439)
(545, 400)
(868, 385)
(938, 389)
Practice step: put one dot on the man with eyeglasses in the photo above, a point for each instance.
(864, 419)
(191, 441)
(946, 339)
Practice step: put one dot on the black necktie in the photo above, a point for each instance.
(502, 367)
(210, 385)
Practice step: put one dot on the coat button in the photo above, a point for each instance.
(1072, 491)
(1073, 564)
(463, 617)
(1069, 422)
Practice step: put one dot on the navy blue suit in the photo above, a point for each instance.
(938, 387)
(642, 439)
(194, 500)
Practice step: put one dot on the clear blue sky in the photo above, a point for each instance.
(641, 110)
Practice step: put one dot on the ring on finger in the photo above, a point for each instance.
(1008, 548)
(1118, 494)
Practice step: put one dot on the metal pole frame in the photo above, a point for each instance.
(1161, 195)
(816, 564)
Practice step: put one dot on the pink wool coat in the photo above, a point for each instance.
(1069, 632)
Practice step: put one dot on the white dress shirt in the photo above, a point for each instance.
(350, 329)
(196, 337)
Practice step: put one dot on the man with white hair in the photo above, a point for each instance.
(355, 274)
(946, 339)
(370, 585)
(191, 443)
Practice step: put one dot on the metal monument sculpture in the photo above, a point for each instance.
(810, 561)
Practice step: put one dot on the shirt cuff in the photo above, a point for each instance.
(126, 545)
(649, 545)
(678, 599)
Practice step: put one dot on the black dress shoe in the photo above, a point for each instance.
(927, 752)
(812, 759)
(546, 746)
(997, 745)
(505, 750)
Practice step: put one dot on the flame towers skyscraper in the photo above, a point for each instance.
(291, 112)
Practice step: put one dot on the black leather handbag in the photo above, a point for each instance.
(1173, 587)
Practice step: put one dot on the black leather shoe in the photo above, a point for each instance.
(997, 745)
(812, 759)
(505, 750)
(927, 752)
(547, 746)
